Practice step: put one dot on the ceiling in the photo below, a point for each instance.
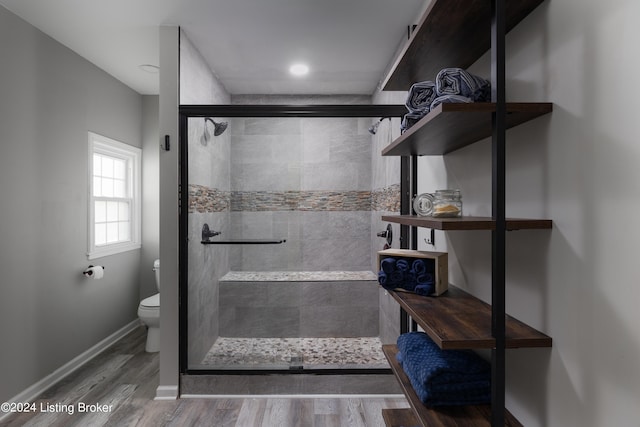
(249, 44)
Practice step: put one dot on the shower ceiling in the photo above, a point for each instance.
(249, 44)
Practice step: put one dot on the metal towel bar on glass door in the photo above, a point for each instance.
(207, 233)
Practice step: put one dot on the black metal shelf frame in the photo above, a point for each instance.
(409, 179)
(498, 236)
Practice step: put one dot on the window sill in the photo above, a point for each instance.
(112, 250)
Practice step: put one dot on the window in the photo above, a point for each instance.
(114, 196)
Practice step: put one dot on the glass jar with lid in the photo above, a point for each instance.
(447, 204)
(441, 204)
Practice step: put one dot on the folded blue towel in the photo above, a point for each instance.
(456, 81)
(382, 278)
(449, 99)
(402, 265)
(419, 266)
(420, 97)
(388, 265)
(386, 281)
(424, 278)
(424, 290)
(409, 280)
(444, 377)
(419, 278)
(396, 278)
(410, 119)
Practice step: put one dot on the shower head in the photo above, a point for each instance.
(374, 128)
(218, 128)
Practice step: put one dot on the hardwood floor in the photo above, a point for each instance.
(123, 380)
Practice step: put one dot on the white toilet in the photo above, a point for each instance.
(149, 314)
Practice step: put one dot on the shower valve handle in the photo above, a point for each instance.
(387, 234)
(207, 233)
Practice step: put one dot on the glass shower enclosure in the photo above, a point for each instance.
(275, 239)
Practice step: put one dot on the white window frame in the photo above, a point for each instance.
(99, 144)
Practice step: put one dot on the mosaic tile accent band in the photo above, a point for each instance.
(203, 199)
(386, 199)
(256, 201)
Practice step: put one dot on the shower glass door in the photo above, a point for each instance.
(281, 278)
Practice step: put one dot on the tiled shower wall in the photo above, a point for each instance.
(306, 180)
(208, 171)
(386, 187)
(318, 183)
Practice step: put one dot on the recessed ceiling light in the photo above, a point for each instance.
(153, 69)
(299, 69)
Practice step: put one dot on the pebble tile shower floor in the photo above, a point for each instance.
(296, 353)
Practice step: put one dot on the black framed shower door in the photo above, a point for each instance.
(187, 112)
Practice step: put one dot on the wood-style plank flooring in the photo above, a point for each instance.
(124, 378)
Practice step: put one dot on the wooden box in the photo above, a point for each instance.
(440, 264)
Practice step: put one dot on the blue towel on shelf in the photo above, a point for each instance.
(420, 97)
(413, 275)
(409, 120)
(419, 266)
(409, 281)
(396, 278)
(424, 290)
(424, 279)
(444, 377)
(450, 99)
(402, 265)
(388, 265)
(383, 279)
(456, 81)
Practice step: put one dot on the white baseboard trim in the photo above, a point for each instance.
(31, 393)
(166, 392)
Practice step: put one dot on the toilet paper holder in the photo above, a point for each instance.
(89, 271)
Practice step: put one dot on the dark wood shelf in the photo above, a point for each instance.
(467, 222)
(449, 416)
(458, 320)
(452, 33)
(449, 127)
(399, 417)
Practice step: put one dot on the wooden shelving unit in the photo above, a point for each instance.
(451, 416)
(450, 127)
(456, 33)
(468, 222)
(452, 33)
(458, 320)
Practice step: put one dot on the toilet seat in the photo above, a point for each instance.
(151, 302)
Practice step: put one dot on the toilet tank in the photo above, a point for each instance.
(156, 270)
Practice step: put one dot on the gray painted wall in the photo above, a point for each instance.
(50, 98)
(150, 195)
(168, 117)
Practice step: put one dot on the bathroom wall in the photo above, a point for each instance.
(50, 313)
(306, 180)
(150, 250)
(209, 200)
